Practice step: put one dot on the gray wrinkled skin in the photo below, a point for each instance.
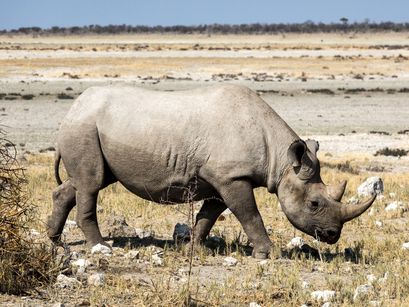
(214, 144)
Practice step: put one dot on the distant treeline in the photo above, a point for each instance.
(254, 28)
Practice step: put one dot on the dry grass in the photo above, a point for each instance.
(370, 250)
(25, 264)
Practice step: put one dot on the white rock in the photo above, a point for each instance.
(254, 304)
(263, 262)
(81, 265)
(395, 205)
(363, 291)
(34, 233)
(405, 245)
(296, 242)
(371, 278)
(181, 232)
(96, 279)
(327, 304)
(378, 224)
(157, 260)
(305, 284)
(324, 295)
(384, 278)
(375, 303)
(370, 186)
(64, 281)
(101, 249)
(133, 254)
(230, 261)
(142, 233)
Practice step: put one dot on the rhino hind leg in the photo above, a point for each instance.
(207, 216)
(63, 202)
(88, 173)
(239, 198)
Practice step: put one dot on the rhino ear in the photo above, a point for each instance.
(295, 153)
(313, 146)
(304, 161)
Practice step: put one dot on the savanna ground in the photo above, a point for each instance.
(349, 91)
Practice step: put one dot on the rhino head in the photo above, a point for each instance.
(308, 203)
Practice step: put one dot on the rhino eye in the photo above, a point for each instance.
(314, 205)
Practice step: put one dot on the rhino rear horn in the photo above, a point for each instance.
(336, 191)
(304, 161)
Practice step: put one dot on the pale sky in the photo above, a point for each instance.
(48, 13)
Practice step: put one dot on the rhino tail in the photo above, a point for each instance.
(57, 161)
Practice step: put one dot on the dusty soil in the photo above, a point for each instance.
(350, 92)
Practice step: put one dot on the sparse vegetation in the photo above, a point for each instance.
(395, 152)
(254, 28)
(25, 264)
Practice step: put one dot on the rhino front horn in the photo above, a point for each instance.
(336, 191)
(352, 211)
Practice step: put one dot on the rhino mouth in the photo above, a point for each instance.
(329, 236)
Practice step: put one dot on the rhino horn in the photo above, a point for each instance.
(352, 211)
(336, 191)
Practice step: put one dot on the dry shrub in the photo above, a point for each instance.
(25, 264)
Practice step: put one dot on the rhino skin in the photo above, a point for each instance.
(214, 144)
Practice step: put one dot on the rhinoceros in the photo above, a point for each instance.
(214, 143)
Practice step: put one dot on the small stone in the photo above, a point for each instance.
(64, 281)
(96, 279)
(327, 304)
(405, 246)
(378, 224)
(181, 232)
(58, 305)
(263, 262)
(34, 233)
(142, 233)
(394, 206)
(371, 278)
(230, 261)
(157, 260)
(101, 249)
(132, 255)
(305, 284)
(296, 242)
(363, 291)
(375, 303)
(324, 295)
(372, 185)
(254, 304)
(80, 265)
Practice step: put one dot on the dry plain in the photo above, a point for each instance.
(349, 91)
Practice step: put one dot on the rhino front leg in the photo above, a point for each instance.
(207, 216)
(87, 217)
(239, 198)
(63, 202)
